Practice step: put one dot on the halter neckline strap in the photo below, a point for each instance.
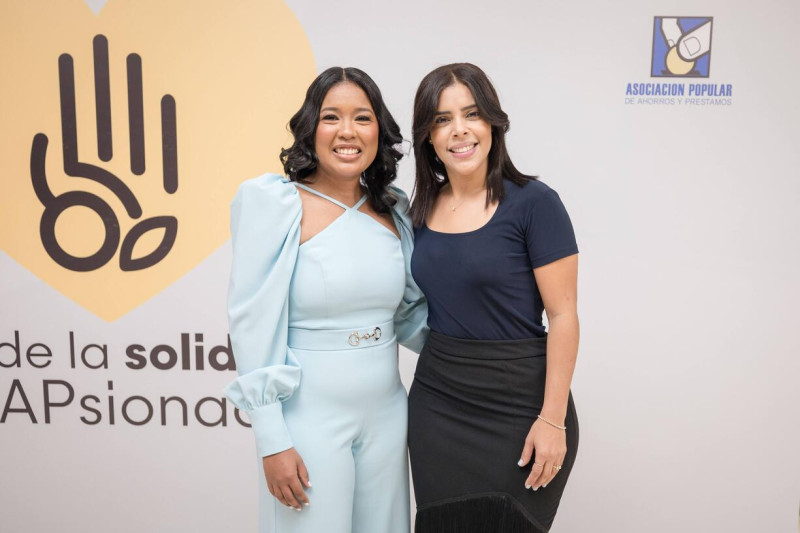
(332, 200)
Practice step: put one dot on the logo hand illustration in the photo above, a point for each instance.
(56, 205)
(684, 48)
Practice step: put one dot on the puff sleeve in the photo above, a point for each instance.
(265, 228)
(411, 317)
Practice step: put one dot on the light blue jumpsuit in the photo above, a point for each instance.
(314, 310)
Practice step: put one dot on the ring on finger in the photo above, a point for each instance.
(556, 467)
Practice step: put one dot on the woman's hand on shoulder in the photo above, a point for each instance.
(286, 478)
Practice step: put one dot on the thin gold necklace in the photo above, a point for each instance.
(466, 196)
(454, 207)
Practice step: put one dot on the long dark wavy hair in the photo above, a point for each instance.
(300, 159)
(431, 172)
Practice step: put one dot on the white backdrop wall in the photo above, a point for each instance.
(687, 215)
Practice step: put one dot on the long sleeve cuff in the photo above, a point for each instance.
(272, 435)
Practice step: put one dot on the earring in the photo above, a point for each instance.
(430, 140)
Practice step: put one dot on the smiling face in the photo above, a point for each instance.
(346, 141)
(460, 137)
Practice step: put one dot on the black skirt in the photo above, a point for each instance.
(471, 405)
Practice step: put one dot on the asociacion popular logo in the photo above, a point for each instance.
(681, 47)
(681, 50)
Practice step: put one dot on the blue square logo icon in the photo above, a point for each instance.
(681, 47)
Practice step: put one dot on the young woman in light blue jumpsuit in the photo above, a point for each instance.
(315, 328)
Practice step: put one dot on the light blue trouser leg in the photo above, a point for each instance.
(348, 423)
(331, 472)
(330, 511)
(381, 490)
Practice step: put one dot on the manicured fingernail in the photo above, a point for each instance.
(543, 486)
(527, 486)
(308, 483)
(520, 463)
(307, 504)
(298, 509)
(535, 489)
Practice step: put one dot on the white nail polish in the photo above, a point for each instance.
(520, 463)
(527, 486)
(543, 486)
(309, 484)
(535, 489)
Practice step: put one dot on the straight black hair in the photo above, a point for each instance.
(431, 172)
(300, 159)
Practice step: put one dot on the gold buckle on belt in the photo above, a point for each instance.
(355, 338)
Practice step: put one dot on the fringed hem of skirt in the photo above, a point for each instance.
(494, 512)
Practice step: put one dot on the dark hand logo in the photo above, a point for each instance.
(56, 205)
(96, 201)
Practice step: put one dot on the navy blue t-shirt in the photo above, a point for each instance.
(480, 284)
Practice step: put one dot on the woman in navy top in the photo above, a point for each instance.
(492, 427)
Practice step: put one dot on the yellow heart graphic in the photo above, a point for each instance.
(125, 135)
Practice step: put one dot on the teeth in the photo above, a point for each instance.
(347, 151)
(462, 149)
